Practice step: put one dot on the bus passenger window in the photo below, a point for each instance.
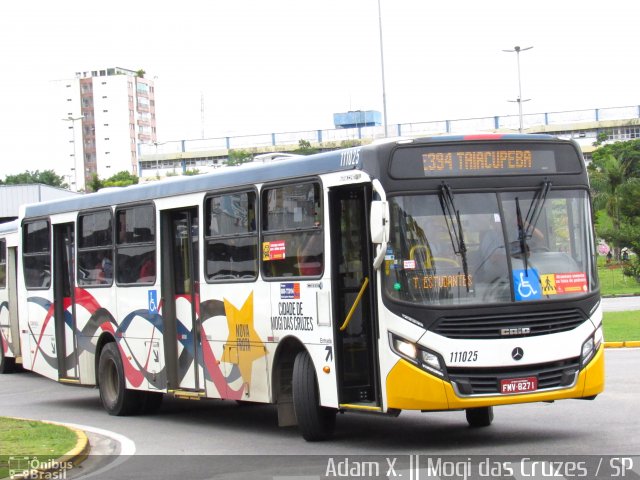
(36, 254)
(231, 251)
(95, 249)
(293, 239)
(136, 245)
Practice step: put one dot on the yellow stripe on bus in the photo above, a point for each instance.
(410, 388)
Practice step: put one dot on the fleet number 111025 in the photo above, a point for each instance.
(465, 356)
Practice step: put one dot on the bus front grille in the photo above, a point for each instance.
(469, 381)
(508, 325)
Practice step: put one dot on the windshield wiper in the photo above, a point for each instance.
(522, 237)
(454, 225)
(527, 226)
(535, 209)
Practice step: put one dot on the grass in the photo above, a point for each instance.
(613, 282)
(29, 438)
(621, 326)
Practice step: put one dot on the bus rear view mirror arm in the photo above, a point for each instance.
(380, 254)
(379, 221)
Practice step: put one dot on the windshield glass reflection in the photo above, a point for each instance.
(424, 262)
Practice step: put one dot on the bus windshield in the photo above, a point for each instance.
(518, 246)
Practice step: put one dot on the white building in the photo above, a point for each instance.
(103, 116)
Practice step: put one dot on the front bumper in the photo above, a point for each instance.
(410, 388)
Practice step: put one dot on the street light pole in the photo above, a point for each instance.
(73, 132)
(517, 49)
(384, 92)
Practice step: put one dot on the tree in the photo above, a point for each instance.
(606, 182)
(615, 182)
(630, 200)
(238, 157)
(47, 177)
(121, 179)
(629, 233)
(95, 183)
(628, 153)
(305, 148)
(600, 139)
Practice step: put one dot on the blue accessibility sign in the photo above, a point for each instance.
(153, 301)
(526, 285)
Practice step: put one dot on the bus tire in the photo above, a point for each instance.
(479, 417)
(314, 421)
(116, 399)
(7, 364)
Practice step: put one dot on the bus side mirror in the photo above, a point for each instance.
(379, 221)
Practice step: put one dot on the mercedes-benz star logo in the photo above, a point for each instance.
(517, 353)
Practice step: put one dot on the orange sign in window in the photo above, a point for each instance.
(275, 250)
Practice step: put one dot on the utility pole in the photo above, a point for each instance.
(202, 115)
(517, 50)
(73, 133)
(384, 92)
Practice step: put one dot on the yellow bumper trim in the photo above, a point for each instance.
(410, 388)
(355, 406)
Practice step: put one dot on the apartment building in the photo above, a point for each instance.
(104, 115)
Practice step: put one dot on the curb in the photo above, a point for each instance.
(625, 344)
(69, 460)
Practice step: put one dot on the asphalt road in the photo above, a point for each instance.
(618, 304)
(608, 425)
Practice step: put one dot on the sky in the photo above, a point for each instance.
(261, 66)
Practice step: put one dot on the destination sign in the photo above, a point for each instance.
(480, 161)
(473, 159)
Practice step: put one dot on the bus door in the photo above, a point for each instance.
(181, 297)
(64, 301)
(12, 288)
(355, 324)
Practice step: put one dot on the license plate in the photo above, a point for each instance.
(518, 385)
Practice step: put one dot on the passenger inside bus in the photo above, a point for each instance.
(147, 270)
(104, 268)
(310, 255)
(491, 263)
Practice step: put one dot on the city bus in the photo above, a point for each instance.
(9, 336)
(432, 274)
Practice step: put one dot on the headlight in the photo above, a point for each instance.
(431, 359)
(417, 355)
(587, 350)
(591, 346)
(598, 338)
(405, 348)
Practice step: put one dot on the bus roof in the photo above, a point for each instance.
(246, 174)
(249, 174)
(8, 227)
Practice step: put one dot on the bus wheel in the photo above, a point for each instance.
(116, 399)
(479, 417)
(7, 364)
(315, 422)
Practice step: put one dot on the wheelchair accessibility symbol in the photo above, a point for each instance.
(153, 301)
(526, 285)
